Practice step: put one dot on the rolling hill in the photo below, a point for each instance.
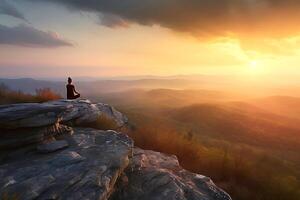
(241, 123)
(282, 105)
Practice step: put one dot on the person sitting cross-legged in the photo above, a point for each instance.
(71, 92)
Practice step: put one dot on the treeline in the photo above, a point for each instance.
(8, 96)
(245, 172)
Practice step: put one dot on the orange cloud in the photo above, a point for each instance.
(203, 18)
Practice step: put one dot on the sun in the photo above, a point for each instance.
(253, 64)
(254, 67)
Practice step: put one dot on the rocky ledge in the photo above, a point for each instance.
(47, 154)
(22, 124)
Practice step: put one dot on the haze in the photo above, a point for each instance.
(252, 39)
(214, 82)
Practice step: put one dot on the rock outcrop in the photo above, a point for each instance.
(48, 153)
(75, 112)
(154, 175)
(22, 124)
(88, 169)
(52, 146)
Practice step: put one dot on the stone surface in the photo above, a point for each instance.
(87, 169)
(15, 138)
(75, 112)
(84, 163)
(52, 146)
(23, 124)
(156, 176)
(26, 115)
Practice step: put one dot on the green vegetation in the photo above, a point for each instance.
(9, 96)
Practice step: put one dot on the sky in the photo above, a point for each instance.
(99, 38)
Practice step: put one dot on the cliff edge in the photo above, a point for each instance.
(48, 151)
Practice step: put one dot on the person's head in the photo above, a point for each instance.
(69, 80)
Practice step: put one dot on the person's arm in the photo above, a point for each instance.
(75, 90)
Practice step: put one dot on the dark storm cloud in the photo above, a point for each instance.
(24, 35)
(8, 9)
(199, 17)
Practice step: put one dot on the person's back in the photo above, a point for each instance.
(71, 92)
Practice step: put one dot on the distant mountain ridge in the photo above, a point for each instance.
(91, 86)
(100, 86)
(29, 85)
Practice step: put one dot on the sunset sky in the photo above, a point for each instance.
(49, 38)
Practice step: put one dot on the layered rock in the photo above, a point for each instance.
(20, 137)
(52, 146)
(153, 175)
(75, 112)
(87, 169)
(43, 157)
(22, 124)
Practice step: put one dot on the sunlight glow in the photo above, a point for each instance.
(253, 64)
(255, 67)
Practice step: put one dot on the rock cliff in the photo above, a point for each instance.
(47, 154)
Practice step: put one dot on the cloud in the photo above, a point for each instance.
(8, 9)
(24, 35)
(202, 18)
(113, 21)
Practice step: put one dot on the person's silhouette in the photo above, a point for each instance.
(71, 92)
